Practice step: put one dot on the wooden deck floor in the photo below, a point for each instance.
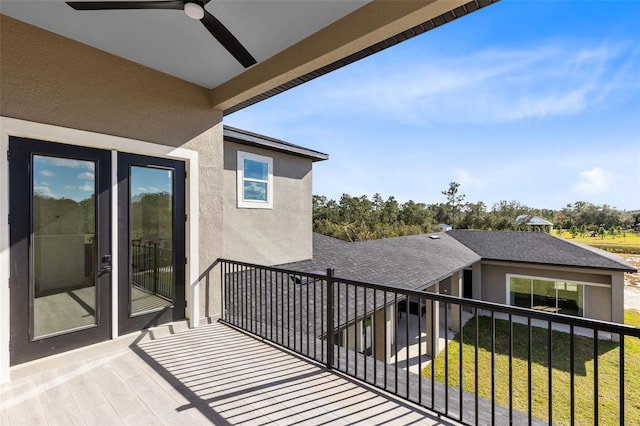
(209, 375)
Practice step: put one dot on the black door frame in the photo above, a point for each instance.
(126, 322)
(23, 347)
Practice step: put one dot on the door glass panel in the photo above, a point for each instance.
(152, 278)
(570, 298)
(520, 292)
(64, 245)
(544, 296)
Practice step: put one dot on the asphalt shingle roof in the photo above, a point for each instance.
(411, 262)
(416, 261)
(538, 248)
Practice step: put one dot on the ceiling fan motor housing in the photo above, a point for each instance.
(194, 10)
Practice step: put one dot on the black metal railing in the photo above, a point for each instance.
(152, 267)
(493, 363)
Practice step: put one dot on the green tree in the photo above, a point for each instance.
(583, 230)
(574, 231)
(504, 214)
(602, 232)
(453, 200)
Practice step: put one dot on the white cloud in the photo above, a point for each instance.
(65, 162)
(593, 181)
(46, 173)
(465, 178)
(42, 190)
(86, 187)
(86, 176)
(489, 86)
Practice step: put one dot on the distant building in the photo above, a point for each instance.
(535, 222)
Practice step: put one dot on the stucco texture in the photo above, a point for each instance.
(269, 236)
(51, 79)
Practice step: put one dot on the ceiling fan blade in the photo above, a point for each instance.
(120, 5)
(227, 40)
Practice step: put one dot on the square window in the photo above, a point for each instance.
(255, 181)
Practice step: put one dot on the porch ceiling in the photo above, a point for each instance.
(292, 41)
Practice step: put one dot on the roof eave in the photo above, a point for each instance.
(244, 137)
(601, 268)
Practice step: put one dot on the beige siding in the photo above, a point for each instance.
(269, 236)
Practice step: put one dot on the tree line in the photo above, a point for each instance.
(353, 218)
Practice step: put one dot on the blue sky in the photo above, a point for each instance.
(56, 177)
(63, 178)
(533, 101)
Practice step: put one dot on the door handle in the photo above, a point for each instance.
(106, 265)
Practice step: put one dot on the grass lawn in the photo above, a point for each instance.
(608, 363)
(629, 240)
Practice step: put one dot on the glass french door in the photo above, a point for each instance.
(151, 214)
(61, 256)
(59, 213)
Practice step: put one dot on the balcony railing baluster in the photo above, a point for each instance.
(446, 359)
(621, 368)
(529, 375)
(596, 355)
(359, 329)
(550, 369)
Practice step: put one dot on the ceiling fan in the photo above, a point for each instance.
(193, 9)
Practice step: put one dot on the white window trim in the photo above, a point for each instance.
(254, 204)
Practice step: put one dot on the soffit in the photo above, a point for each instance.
(169, 41)
(292, 41)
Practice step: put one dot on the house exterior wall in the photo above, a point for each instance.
(51, 79)
(282, 234)
(59, 90)
(599, 300)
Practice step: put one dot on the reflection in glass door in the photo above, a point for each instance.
(151, 239)
(60, 258)
(64, 244)
(151, 234)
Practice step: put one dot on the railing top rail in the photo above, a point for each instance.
(479, 304)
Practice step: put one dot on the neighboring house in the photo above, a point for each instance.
(526, 269)
(534, 222)
(442, 227)
(111, 132)
(542, 271)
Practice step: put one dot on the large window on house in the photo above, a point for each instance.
(564, 297)
(255, 181)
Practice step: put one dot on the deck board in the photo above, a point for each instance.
(209, 375)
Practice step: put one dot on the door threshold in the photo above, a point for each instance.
(96, 350)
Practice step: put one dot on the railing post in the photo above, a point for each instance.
(330, 325)
(156, 274)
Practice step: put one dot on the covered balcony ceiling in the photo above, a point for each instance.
(290, 41)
